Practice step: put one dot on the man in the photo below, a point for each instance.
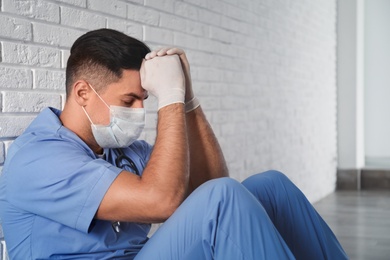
(77, 184)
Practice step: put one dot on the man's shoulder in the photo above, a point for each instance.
(46, 123)
(46, 144)
(46, 133)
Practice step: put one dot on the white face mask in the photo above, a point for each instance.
(126, 125)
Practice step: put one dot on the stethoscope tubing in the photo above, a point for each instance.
(122, 156)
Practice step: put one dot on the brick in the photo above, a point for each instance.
(219, 7)
(210, 103)
(141, 2)
(234, 12)
(209, 89)
(227, 63)
(64, 57)
(81, 19)
(166, 5)
(186, 10)
(13, 126)
(209, 17)
(49, 80)
(36, 9)
(198, 57)
(55, 35)
(185, 40)
(219, 117)
(31, 55)
(117, 24)
(230, 129)
(12, 78)
(13, 28)
(143, 15)
(81, 3)
(170, 21)
(234, 25)
(196, 28)
(29, 101)
(162, 36)
(132, 29)
(221, 35)
(236, 77)
(207, 45)
(208, 74)
(233, 102)
(200, 3)
(113, 7)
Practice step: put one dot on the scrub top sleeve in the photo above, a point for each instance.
(95, 197)
(67, 189)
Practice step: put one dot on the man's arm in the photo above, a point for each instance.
(206, 158)
(162, 187)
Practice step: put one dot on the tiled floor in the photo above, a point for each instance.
(361, 222)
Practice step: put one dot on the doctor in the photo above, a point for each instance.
(77, 184)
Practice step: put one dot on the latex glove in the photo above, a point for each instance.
(184, 62)
(163, 77)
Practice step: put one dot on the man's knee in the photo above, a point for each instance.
(219, 189)
(267, 177)
(276, 175)
(221, 184)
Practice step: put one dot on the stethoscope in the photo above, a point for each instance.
(122, 160)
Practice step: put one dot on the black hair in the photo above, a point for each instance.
(101, 56)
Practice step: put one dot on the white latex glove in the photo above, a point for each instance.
(184, 62)
(163, 77)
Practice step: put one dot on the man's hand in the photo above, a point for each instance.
(163, 77)
(184, 63)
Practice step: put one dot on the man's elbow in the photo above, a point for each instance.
(168, 205)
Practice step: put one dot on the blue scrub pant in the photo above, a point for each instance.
(264, 217)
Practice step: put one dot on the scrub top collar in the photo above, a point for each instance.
(49, 120)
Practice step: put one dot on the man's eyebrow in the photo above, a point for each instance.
(145, 96)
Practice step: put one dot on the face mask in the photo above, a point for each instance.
(126, 125)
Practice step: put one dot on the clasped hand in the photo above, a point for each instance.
(165, 73)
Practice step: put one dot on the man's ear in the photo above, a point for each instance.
(81, 91)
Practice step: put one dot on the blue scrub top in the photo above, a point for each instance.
(51, 187)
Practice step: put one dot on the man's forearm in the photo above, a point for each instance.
(206, 158)
(168, 166)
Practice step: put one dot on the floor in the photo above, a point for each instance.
(361, 222)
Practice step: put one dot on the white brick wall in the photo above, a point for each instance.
(264, 71)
